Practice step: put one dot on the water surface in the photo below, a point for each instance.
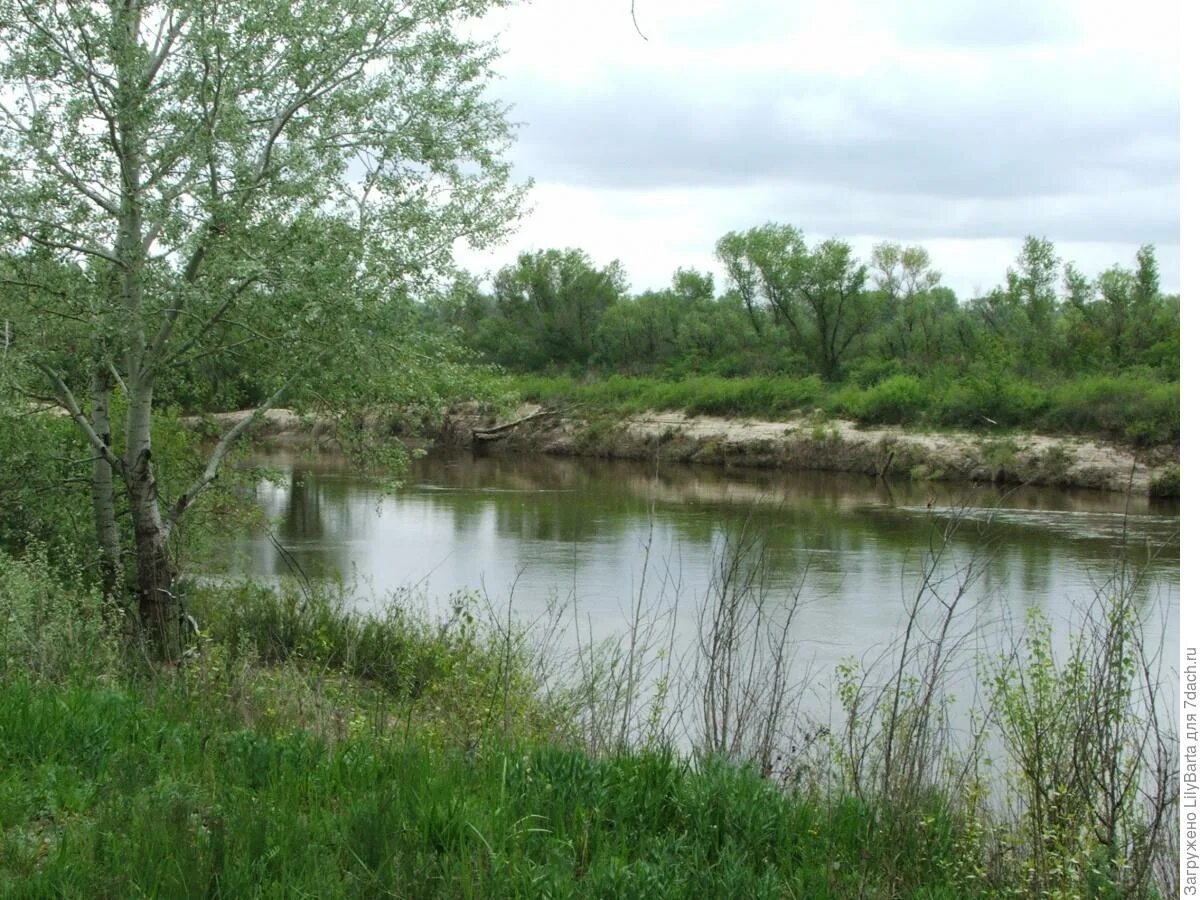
(595, 535)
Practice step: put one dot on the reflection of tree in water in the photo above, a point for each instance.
(317, 516)
(570, 518)
(852, 534)
(301, 520)
(829, 523)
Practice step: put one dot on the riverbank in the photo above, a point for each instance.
(811, 441)
(818, 442)
(302, 749)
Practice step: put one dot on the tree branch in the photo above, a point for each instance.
(633, 15)
(68, 402)
(17, 219)
(188, 497)
(163, 50)
(18, 125)
(164, 332)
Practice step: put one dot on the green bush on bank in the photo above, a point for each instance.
(1131, 407)
(896, 400)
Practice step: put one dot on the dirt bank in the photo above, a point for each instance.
(803, 442)
(817, 442)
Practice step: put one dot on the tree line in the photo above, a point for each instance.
(796, 307)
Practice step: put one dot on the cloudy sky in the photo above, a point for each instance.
(962, 125)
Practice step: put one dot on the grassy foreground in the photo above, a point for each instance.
(113, 792)
(307, 751)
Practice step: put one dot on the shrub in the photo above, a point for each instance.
(39, 453)
(987, 400)
(896, 400)
(52, 627)
(465, 673)
(1133, 407)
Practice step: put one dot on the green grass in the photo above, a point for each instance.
(699, 395)
(309, 751)
(114, 792)
(1130, 407)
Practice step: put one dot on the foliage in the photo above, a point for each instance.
(41, 454)
(548, 308)
(52, 626)
(709, 395)
(816, 297)
(188, 193)
(1132, 407)
(44, 453)
(1095, 766)
(901, 398)
(1100, 358)
(991, 397)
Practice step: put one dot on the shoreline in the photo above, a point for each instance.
(802, 442)
(818, 443)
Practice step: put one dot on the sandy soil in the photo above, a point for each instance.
(801, 442)
(806, 442)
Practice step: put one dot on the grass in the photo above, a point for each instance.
(310, 751)
(699, 395)
(1131, 407)
(117, 792)
(307, 750)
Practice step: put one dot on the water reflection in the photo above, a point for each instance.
(581, 531)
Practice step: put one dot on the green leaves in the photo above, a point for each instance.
(239, 189)
(816, 297)
(551, 304)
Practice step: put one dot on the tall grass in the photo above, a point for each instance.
(307, 750)
(52, 625)
(698, 395)
(747, 688)
(1130, 407)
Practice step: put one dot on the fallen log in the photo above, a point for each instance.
(498, 431)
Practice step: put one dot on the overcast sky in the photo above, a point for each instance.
(962, 125)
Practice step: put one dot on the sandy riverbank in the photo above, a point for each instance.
(799, 443)
(820, 443)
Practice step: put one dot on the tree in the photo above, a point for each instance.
(918, 315)
(550, 304)
(228, 177)
(1021, 314)
(1128, 303)
(817, 297)
(653, 328)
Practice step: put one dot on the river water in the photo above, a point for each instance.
(592, 536)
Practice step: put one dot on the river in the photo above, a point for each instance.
(591, 536)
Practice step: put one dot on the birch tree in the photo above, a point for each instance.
(245, 177)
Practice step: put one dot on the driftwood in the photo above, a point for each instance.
(498, 431)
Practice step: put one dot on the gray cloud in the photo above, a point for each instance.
(1130, 217)
(965, 124)
(1025, 146)
(632, 135)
